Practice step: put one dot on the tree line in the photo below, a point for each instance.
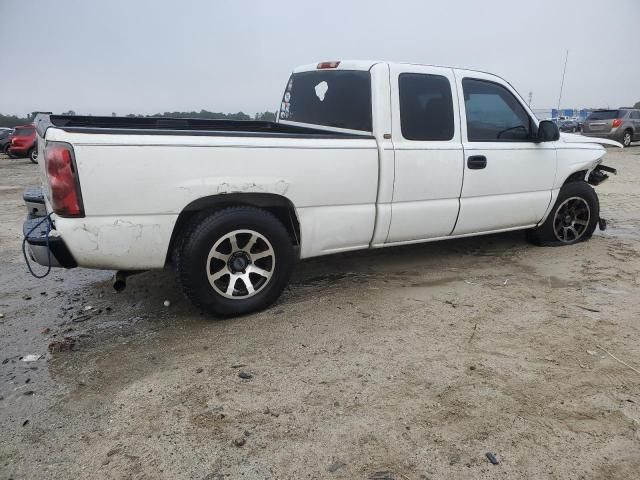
(13, 120)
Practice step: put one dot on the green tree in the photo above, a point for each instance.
(637, 105)
(13, 120)
(266, 116)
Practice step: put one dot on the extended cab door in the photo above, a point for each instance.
(428, 153)
(508, 177)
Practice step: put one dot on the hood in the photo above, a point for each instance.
(573, 138)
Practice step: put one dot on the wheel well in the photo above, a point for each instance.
(576, 177)
(279, 206)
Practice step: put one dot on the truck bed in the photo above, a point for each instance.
(138, 175)
(180, 126)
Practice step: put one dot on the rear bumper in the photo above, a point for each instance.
(35, 229)
(40, 250)
(18, 151)
(610, 135)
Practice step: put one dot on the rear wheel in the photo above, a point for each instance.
(235, 261)
(626, 138)
(573, 218)
(33, 155)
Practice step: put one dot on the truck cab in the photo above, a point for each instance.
(459, 150)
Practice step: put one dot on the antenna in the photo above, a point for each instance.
(566, 58)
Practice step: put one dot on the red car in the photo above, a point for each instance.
(23, 143)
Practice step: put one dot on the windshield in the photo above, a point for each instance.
(606, 115)
(23, 132)
(335, 98)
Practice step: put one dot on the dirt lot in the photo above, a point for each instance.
(393, 364)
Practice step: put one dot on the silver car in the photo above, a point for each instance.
(622, 125)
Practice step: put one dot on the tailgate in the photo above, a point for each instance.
(597, 126)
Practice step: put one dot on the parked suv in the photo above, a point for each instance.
(568, 126)
(622, 125)
(23, 143)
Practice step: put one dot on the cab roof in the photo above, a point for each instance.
(342, 65)
(365, 65)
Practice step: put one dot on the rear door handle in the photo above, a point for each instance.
(476, 162)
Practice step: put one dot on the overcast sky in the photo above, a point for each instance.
(153, 56)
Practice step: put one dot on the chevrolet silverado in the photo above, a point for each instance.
(361, 155)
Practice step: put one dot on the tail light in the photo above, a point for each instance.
(617, 122)
(323, 65)
(64, 185)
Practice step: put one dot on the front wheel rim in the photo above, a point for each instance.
(571, 220)
(240, 264)
(627, 139)
(34, 155)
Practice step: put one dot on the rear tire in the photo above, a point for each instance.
(572, 219)
(235, 261)
(33, 155)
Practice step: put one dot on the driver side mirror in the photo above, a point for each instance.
(547, 131)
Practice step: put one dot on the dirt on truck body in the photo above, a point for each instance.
(414, 362)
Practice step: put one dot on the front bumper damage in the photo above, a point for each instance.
(43, 247)
(597, 175)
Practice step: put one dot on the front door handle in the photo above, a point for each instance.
(476, 162)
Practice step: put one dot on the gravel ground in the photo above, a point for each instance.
(403, 363)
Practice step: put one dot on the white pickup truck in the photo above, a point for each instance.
(362, 155)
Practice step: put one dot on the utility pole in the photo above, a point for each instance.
(566, 58)
(530, 97)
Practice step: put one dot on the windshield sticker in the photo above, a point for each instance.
(321, 90)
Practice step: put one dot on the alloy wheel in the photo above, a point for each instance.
(571, 219)
(240, 264)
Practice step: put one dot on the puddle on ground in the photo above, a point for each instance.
(557, 282)
(435, 282)
(356, 277)
(615, 230)
(607, 290)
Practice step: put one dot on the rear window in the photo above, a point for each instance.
(23, 132)
(426, 107)
(606, 115)
(335, 98)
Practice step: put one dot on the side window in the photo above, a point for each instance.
(493, 113)
(635, 115)
(426, 107)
